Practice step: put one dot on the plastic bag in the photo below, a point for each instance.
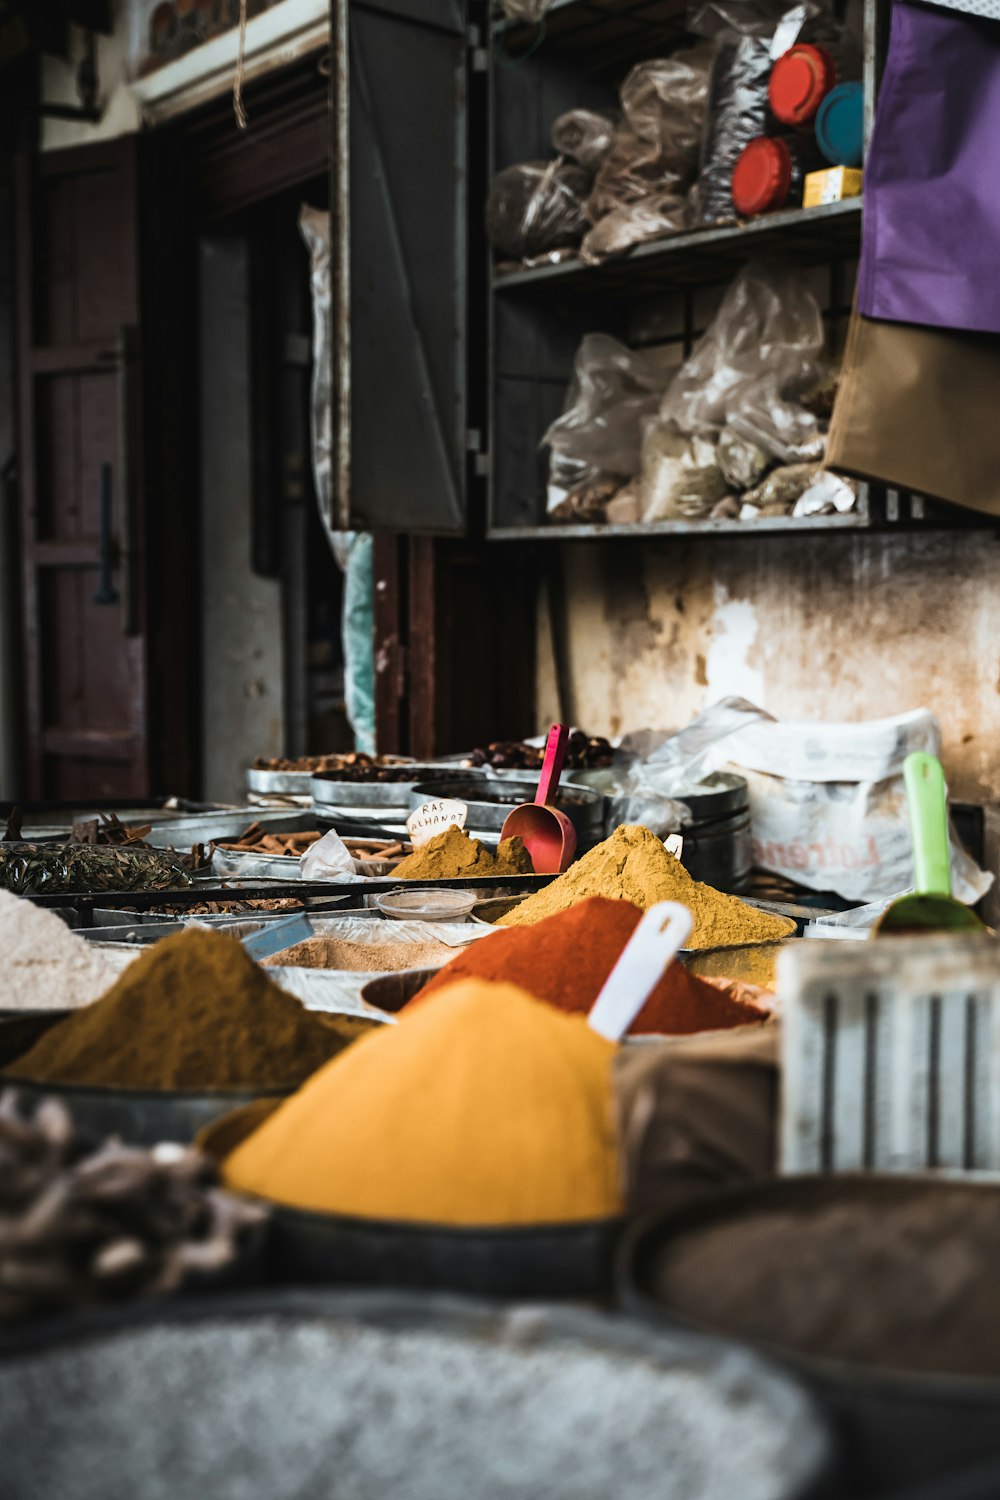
(827, 801)
(613, 392)
(828, 494)
(742, 462)
(583, 136)
(352, 549)
(762, 351)
(664, 101)
(681, 478)
(778, 493)
(536, 206)
(631, 224)
(641, 188)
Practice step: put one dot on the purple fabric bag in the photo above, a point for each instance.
(931, 247)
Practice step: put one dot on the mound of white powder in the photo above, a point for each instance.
(43, 964)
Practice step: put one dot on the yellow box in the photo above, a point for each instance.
(831, 185)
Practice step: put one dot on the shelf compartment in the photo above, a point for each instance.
(810, 236)
(608, 26)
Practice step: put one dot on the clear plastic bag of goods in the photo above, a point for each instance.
(598, 438)
(664, 101)
(741, 460)
(631, 224)
(760, 354)
(778, 493)
(583, 136)
(827, 800)
(681, 478)
(641, 188)
(537, 206)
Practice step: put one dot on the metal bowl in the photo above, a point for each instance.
(390, 992)
(323, 1392)
(327, 791)
(901, 1427)
(140, 1116)
(548, 1260)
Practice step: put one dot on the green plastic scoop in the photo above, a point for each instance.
(932, 907)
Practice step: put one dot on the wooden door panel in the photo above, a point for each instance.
(76, 418)
(86, 662)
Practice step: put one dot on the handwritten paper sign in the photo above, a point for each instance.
(434, 817)
(674, 843)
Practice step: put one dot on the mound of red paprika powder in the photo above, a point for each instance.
(566, 958)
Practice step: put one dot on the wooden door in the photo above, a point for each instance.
(79, 369)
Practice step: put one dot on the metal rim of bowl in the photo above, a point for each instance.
(724, 1204)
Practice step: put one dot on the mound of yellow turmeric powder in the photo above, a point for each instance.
(634, 865)
(453, 855)
(482, 1107)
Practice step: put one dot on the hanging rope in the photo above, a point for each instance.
(238, 110)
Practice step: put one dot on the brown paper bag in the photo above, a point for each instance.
(918, 409)
(696, 1114)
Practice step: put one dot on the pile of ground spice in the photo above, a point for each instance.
(361, 958)
(634, 865)
(43, 964)
(453, 855)
(194, 1012)
(887, 1274)
(482, 1107)
(565, 960)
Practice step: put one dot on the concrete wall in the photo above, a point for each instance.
(242, 697)
(121, 108)
(813, 627)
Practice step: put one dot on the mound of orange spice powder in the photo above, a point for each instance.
(565, 960)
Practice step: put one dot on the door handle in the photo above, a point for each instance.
(106, 593)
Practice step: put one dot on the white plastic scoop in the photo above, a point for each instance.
(641, 965)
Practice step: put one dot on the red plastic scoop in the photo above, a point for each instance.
(547, 834)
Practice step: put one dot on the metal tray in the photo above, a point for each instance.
(489, 800)
(207, 828)
(328, 792)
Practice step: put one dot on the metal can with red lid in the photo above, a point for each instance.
(770, 174)
(803, 77)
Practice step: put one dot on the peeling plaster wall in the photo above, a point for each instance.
(242, 691)
(814, 627)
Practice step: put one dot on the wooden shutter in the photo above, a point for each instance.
(79, 390)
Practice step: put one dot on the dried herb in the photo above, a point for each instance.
(14, 820)
(353, 767)
(80, 1227)
(80, 868)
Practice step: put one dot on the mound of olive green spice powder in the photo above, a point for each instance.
(196, 1013)
(634, 865)
(452, 855)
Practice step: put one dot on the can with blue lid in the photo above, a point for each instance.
(840, 125)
